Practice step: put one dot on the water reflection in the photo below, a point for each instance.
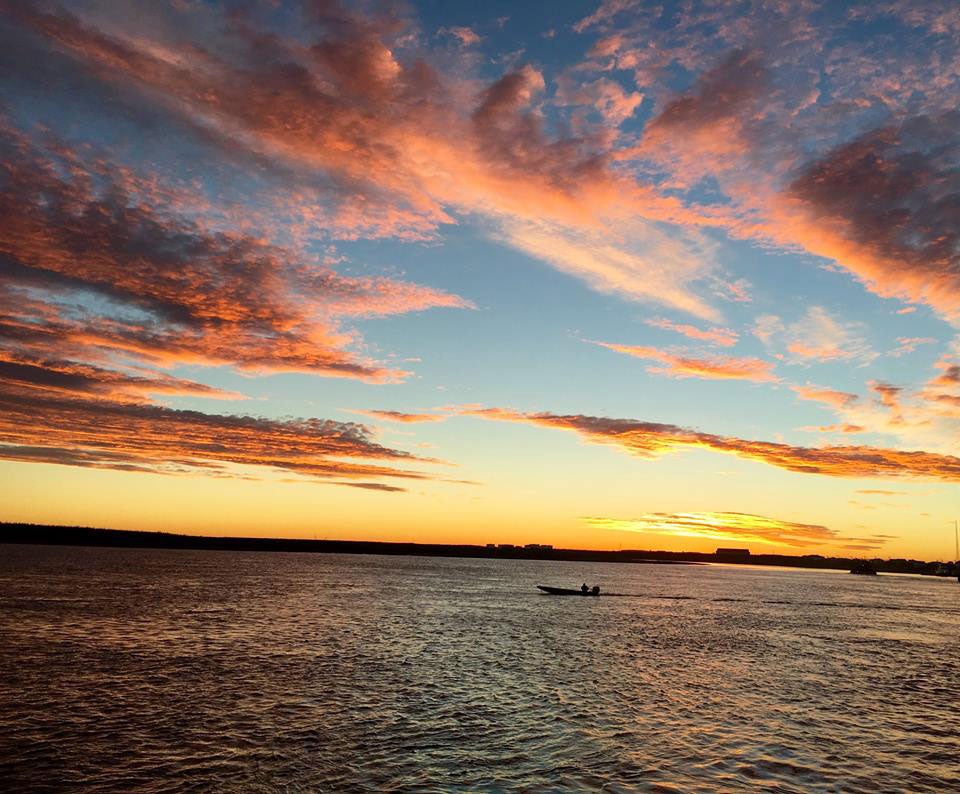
(129, 669)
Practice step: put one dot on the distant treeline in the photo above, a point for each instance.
(43, 534)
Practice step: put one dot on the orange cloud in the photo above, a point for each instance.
(393, 145)
(400, 416)
(652, 439)
(924, 417)
(176, 292)
(71, 426)
(710, 118)
(831, 397)
(823, 353)
(710, 368)
(950, 377)
(71, 377)
(844, 428)
(725, 337)
(495, 158)
(907, 344)
(838, 206)
(841, 207)
(889, 397)
(881, 206)
(820, 336)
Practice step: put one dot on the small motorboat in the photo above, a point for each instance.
(566, 591)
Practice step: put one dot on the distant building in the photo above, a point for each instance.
(539, 547)
(491, 545)
(506, 546)
(732, 555)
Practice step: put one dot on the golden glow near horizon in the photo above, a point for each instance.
(739, 528)
(631, 284)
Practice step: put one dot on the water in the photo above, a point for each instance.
(130, 670)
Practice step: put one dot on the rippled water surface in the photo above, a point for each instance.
(128, 670)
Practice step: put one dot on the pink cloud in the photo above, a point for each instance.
(606, 46)
(466, 36)
(605, 96)
(707, 123)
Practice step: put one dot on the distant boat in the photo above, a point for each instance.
(863, 568)
(565, 591)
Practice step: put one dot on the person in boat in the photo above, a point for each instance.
(584, 588)
(596, 589)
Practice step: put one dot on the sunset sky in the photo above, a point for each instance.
(615, 275)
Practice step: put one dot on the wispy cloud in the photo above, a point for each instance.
(863, 174)
(395, 147)
(466, 36)
(607, 97)
(724, 337)
(709, 367)
(171, 290)
(840, 428)
(400, 416)
(649, 263)
(821, 337)
(652, 439)
(908, 344)
(44, 426)
(71, 377)
(832, 397)
(926, 416)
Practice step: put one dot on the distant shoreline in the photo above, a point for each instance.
(45, 534)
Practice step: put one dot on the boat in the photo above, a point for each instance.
(565, 591)
(863, 568)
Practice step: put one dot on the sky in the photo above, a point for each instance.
(602, 275)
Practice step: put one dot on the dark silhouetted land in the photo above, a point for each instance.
(88, 536)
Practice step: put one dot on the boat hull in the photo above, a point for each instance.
(564, 591)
